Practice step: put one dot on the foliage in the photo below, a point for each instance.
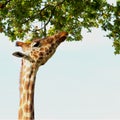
(38, 18)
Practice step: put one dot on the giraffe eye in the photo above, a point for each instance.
(36, 44)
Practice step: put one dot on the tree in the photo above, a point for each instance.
(38, 18)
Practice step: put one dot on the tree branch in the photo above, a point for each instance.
(52, 11)
(4, 5)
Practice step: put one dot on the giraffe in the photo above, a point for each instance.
(34, 55)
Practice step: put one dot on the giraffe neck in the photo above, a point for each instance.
(27, 83)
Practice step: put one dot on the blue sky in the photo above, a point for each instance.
(80, 82)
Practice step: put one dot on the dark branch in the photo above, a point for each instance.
(4, 5)
(60, 3)
(52, 13)
(35, 14)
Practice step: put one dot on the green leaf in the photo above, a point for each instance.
(18, 18)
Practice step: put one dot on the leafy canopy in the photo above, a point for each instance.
(38, 18)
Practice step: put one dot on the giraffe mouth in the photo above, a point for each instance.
(63, 36)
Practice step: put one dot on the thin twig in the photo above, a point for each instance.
(41, 12)
(51, 15)
(4, 5)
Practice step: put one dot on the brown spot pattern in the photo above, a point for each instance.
(27, 108)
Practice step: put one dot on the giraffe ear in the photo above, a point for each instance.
(18, 54)
(21, 55)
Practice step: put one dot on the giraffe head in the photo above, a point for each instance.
(40, 50)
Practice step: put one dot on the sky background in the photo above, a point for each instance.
(80, 82)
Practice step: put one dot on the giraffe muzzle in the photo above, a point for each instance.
(63, 36)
